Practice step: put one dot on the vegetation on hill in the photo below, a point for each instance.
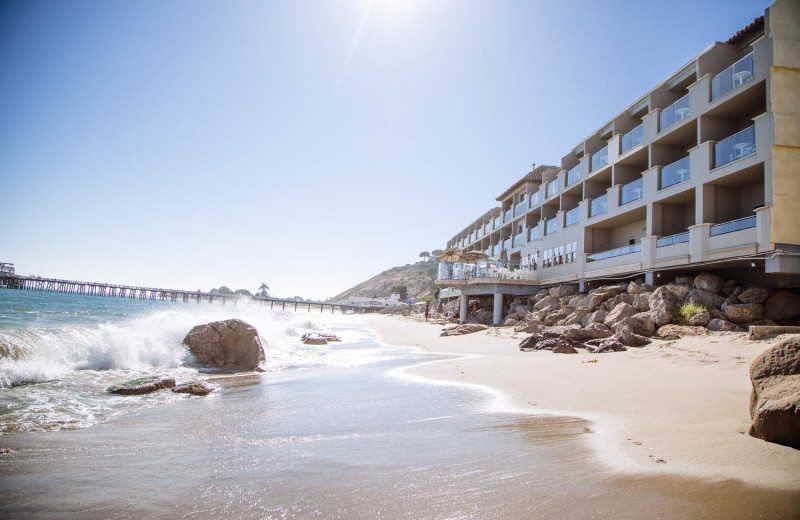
(418, 279)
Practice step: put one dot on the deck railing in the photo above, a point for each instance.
(677, 111)
(599, 158)
(672, 239)
(741, 144)
(734, 76)
(611, 253)
(598, 205)
(631, 139)
(733, 225)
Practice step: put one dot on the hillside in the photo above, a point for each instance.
(419, 278)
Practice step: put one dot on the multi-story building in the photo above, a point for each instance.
(702, 172)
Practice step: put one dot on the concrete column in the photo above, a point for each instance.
(649, 251)
(649, 278)
(699, 235)
(763, 225)
(498, 309)
(462, 314)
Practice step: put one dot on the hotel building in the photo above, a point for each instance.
(700, 173)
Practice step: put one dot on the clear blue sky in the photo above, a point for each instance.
(308, 144)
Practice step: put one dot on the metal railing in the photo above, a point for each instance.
(631, 191)
(449, 271)
(507, 244)
(574, 175)
(732, 77)
(631, 139)
(675, 172)
(598, 205)
(599, 158)
(534, 199)
(550, 226)
(673, 239)
(741, 144)
(733, 225)
(571, 217)
(675, 112)
(611, 253)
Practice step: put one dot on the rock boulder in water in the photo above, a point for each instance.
(195, 388)
(231, 344)
(143, 385)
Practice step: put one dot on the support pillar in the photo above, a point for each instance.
(462, 313)
(650, 278)
(498, 309)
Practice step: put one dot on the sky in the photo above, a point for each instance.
(306, 144)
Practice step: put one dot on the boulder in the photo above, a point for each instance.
(563, 290)
(510, 322)
(564, 347)
(684, 280)
(705, 298)
(775, 399)
(744, 312)
(313, 338)
(231, 344)
(597, 326)
(597, 316)
(547, 344)
(752, 295)
(679, 290)
(709, 282)
(662, 304)
(555, 317)
(558, 330)
(531, 342)
(576, 317)
(634, 288)
(522, 312)
(699, 319)
(467, 328)
(620, 298)
(584, 335)
(640, 323)
(784, 305)
(619, 313)
(641, 302)
(716, 313)
(546, 302)
(607, 345)
(194, 388)
(629, 338)
(671, 330)
(723, 325)
(591, 301)
(143, 385)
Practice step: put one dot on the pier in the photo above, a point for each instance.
(55, 285)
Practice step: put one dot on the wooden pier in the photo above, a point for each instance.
(35, 283)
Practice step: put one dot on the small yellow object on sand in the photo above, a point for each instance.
(590, 361)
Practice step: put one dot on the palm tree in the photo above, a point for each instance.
(425, 255)
(263, 290)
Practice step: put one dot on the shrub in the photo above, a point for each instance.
(686, 310)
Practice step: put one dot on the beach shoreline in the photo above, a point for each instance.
(670, 408)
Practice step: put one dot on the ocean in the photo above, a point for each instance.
(336, 431)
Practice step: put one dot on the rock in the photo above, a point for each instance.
(597, 326)
(752, 295)
(630, 339)
(620, 298)
(641, 302)
(775, 399)
(662, 305)
(640, 323)
(744, 312)
(510, 322)
(232, 344)
(143, 385)
(563, 290)
(699, 319)
(522, 313)
(670, 330)
(583, 335)
(531, 342)
(591, 301)
(481, 317)
(564, 348)
(634, 288)
(784, 305)
(554, 317)
(684, 280)
(715, 313)
(313, 339)
(763, 323)
(576, 317)
(705, 298)
(467, 328)
(547, 344)
(194, 388)
(679, 290)
(546, 302)
(608, 345)
(709, 282)
(723, 325)
(619, 313)
(730, 300)
(558, 330)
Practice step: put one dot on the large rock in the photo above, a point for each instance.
(629, 338)
(554, 317)
(752, 295)
(723, 325)
(744, 312)
(591, 301)
(597, 316)
(143, 385)
(784, 305)
(230, 344)
(619, 313)
(662, 305)
(709, 282)
(546, 302)
(775, 400)
(563, 290)
(607, 345)
(194, 388)
(584, 335)
(641, 302)
(510, 322)
(576, 317)
(564, 347)
(699, 319)
(467, 328)
(641, 323)
(705, 298)
(679, 290)
(671, 331)
(558, 330)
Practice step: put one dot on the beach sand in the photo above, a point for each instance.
(671, 408)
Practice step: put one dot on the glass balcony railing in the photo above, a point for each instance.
(598, 205)
(478, 233)
(673, 239)
(631, 191)
(519, 239)
(599, 158)
(732, 77)
(486, 251)
(506, 216)
(631, 139)
(740, 144)
(534, 199)
(733, 225)
(574, 175)
(675, 172)
(626, 250)
(520, 208)
(675, 112)
(550, 226)
(533, 233)
(571, 217)
(496, 223)
(552, 189)
(507, 244)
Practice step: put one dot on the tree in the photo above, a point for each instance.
(222, 290)
(244, 292)
(435, 253)
(263, 290)
(425, 255)
(402, 290)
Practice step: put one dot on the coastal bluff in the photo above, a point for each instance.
(230, 344)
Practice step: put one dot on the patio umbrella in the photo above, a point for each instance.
(473, 256)
(450, 254)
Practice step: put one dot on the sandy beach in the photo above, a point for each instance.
(671, 408)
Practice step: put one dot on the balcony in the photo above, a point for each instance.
(677, 111)
(533, 233)
(520, 208)
(598, 205)
(740, 144)
(571, 217)
(550, 226)
(506, 244)
(534, 199)
(506, 216)
(625, 250)
(574, 175)
(631, 191)
(732, 77)
(733, 225)
(496, 223)
(519, 239)
(673, 239)
(599, 159)
(674, 173)
(552, 189)
(631, 139)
